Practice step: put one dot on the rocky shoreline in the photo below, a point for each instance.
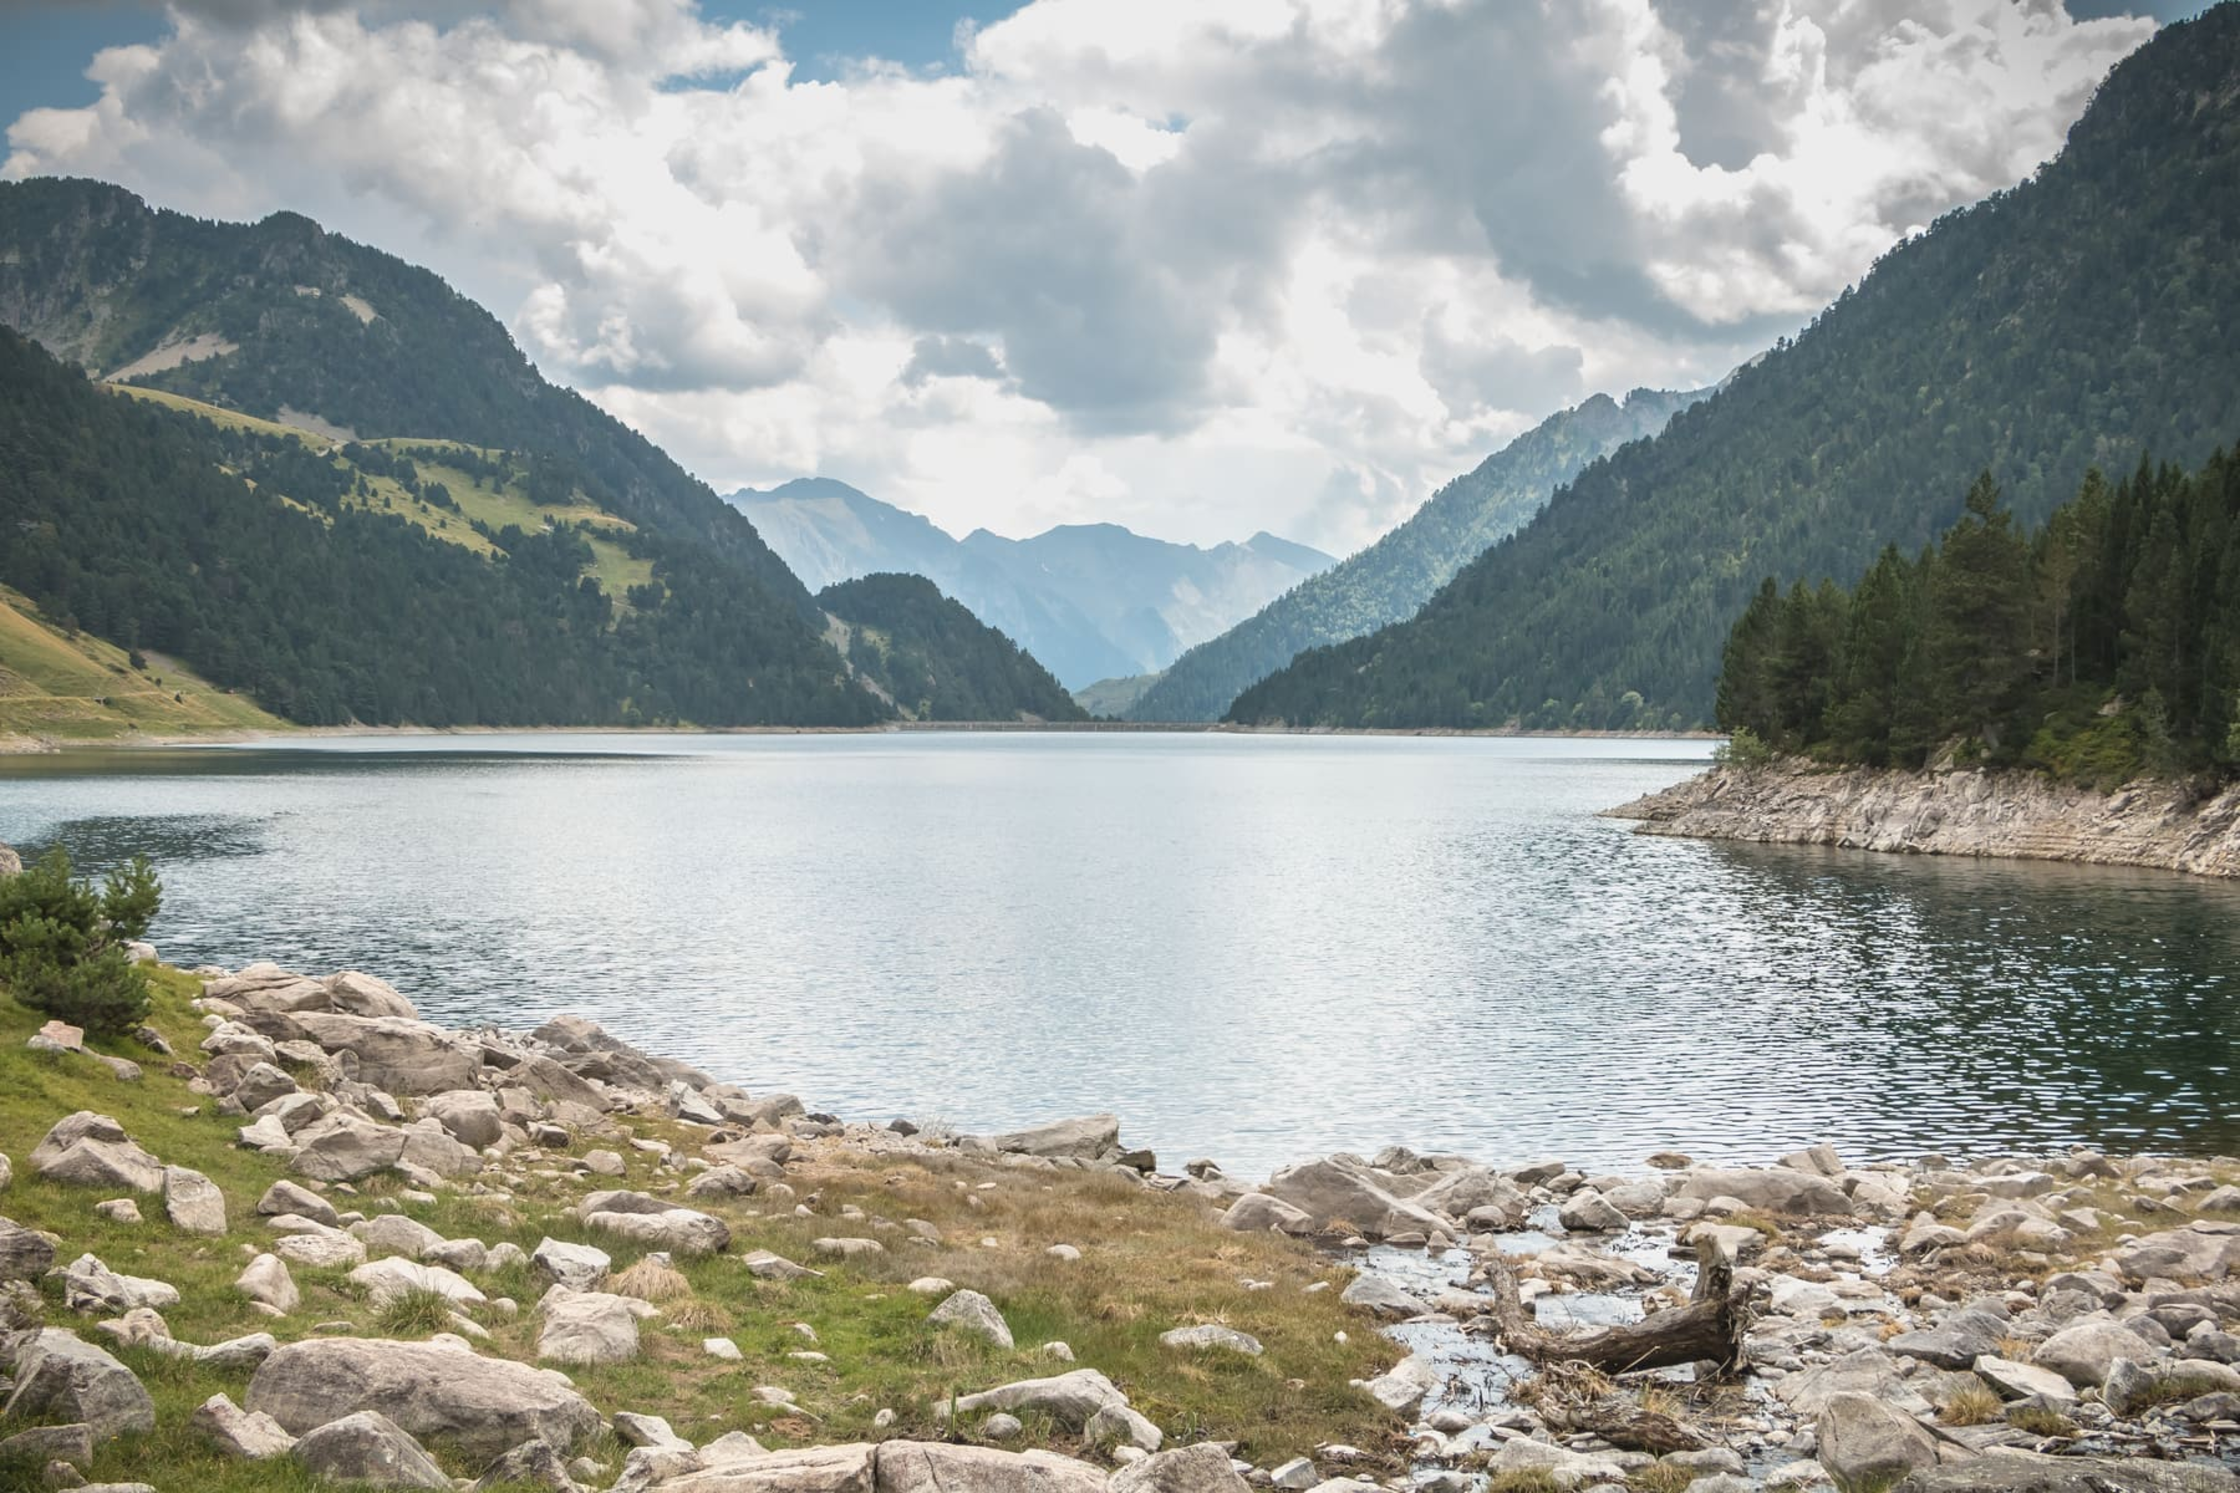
(2049, 1323)
(1951, 811)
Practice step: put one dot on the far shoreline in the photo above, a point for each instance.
(36, 746)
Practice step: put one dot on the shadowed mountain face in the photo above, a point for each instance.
(1090, 601)
(2082, 318)
(1390, 579)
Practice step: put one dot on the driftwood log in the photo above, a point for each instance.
(1709, 1329)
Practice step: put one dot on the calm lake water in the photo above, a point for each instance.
(1251, 948)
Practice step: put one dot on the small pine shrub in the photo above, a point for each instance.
(62, 942)
(1745, 748)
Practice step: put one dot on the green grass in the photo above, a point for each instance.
(55, 683)
(1152, 1262)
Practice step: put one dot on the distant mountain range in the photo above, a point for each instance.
(1390, 579)
(2085, 317)
(1089, 601)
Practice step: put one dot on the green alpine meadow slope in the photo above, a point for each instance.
(933, 659)
(2084, 318)
(1391, 579)
(320, 477)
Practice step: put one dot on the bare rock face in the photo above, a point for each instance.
(370, 1449)
(11, 864)
(1951, 812)
(61, 1377)
(438, 1391)
(90, 1150)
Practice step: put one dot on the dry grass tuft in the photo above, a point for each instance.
(1975, 1406)
(2039, 1421)
(651, 1280)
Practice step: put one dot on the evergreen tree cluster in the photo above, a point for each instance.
(2083, 318)
(2104, 645)
(935, 659)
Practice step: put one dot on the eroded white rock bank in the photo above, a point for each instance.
(1954, 811)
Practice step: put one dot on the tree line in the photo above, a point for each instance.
(2101, 645)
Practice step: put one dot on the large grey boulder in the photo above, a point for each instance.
(439, 1391)
(532, 1464)
(579, 1267)
(971, 1312)
(2028, 1472)
(90, 1150)
(2084, 1352)
(428, 1145)
(1088, 1138)
(344, 1147)
(1865, 1444)
(25, 1254)
(395, 1234)
(937, 1467)
(241, 1433)
(1333, 1192)
(193, 1202)
(1376, 1294)
(261, 1085)
(1777, 1189)
(371, 1449)
(392, 1279)
(266, 1280)
(1589, 1211)
(1956, 1342)
(1527, 1459)
(1210, 1336)
(851, 1468)
(394, 1053)
(1457, 1193)
(61, 1377)
(470, 1115)
(2201, 1249)
(582, 1328)
(1203, 1468)
(1867, 1371)
(90, 1286)
(288, 1197)
(1256, 1213)
(1069, 1399)
(654, 1222)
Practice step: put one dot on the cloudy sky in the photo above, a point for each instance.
(1200, 267)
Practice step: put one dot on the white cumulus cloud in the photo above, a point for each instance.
(1199, 266)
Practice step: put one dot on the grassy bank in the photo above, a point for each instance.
(1149, 1262)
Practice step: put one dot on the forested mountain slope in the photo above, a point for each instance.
(934, 659)
(1391, 579)
(346, 584)
(2085, 317)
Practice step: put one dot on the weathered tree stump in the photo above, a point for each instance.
(1709, 1329)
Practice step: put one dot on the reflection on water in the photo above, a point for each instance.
(1251, 948)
